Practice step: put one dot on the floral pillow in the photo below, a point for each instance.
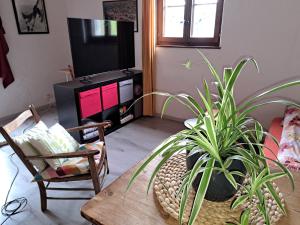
(23, 142)
(289, 151)
(46, 144)
(66, 141)
(53, 141)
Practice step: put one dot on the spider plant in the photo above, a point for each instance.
(221, 138)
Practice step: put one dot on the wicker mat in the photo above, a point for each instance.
(166, 186)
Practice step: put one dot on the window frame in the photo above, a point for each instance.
(187, 40)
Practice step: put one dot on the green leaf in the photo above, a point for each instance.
(256, 181)
(237, 71)
(231, 179)
(161, 163)
(245, 217)
(207, 94)
(201, 191)
(206, 104)
(239, 201)
(227, 113)
(166, 105)
(259, 131)
(184, 182)
(246, 158)
(270, 91)
(168, 95)
(275, 197)
(183, 201)
(238, 173)
(210, 130)
(163, 146)
(249, 110)
(227, 74)
(269, 178)
(204, 144)
(214, 73)
(278, 88)
(227, 163)
(262, 207)
(192, 176)
(196, 169)
(283, 168)
(196, 105)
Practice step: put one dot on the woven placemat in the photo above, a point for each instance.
(166, 186)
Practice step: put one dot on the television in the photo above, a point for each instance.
(101, 45)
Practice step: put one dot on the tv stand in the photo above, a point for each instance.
(97, 98)
(128, 72)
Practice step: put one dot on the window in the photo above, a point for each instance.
(189, 22)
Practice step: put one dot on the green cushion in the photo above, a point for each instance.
(23, 142)
(55, 140)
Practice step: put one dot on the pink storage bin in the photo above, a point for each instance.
(110, 95)
(90, 102)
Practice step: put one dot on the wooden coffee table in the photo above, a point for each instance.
(115, 206)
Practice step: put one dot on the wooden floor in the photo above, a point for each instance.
(292, 200)
(125, 146)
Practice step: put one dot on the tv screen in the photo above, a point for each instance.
(101, 45)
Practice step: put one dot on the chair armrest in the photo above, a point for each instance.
(85, 153)
(103, 125)
(2, 144)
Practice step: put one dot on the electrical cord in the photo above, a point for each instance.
(16, 206)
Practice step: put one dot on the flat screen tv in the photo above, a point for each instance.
(101, 45)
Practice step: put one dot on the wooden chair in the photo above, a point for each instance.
(94, 170)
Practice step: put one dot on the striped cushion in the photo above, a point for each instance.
(72, 166)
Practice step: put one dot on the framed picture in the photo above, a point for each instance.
(122, 10)
(31, 17)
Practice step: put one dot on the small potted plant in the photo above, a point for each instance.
(223, 147)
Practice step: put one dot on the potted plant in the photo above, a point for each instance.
(223, 147)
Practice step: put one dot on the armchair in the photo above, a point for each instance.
(94, 169)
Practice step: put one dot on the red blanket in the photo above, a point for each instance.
(5, 71)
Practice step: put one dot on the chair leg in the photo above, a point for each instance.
(106, 162)
(94, 175)
(96, 184)
(43, 196)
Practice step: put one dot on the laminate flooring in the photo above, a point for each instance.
(125, 148)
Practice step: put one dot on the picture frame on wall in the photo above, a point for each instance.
(121, 10)
(31, 16)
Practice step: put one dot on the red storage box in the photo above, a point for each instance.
(110, 95)
(90, 102)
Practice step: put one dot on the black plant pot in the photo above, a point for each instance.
(219, 189)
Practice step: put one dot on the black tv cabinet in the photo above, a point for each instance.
(69, 105)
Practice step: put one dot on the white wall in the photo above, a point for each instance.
(89, 9)
(35, 59)
(267, 30)
(92, 9)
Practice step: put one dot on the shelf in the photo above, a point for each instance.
(68, 102)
